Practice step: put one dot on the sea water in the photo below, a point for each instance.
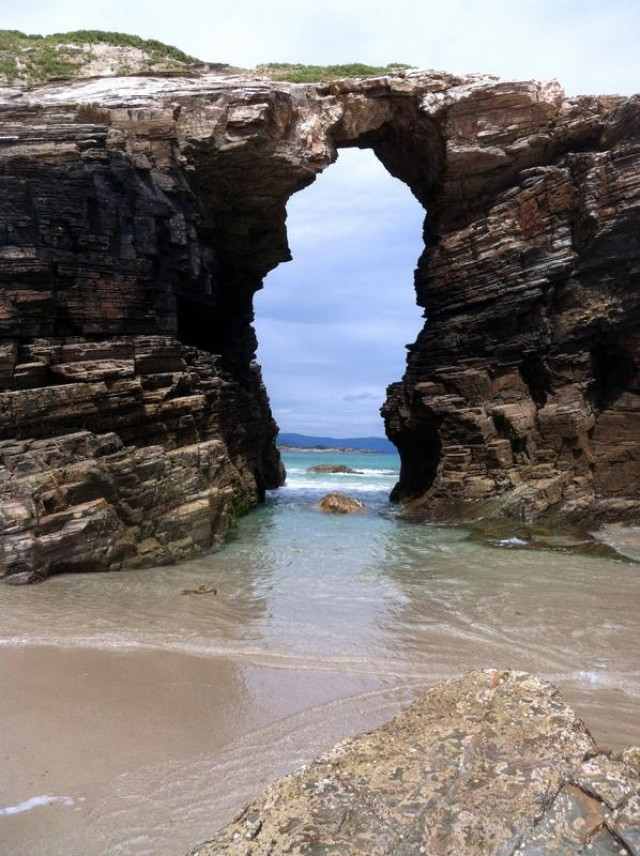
(137, 716)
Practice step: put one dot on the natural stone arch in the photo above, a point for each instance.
(137, 227)
(243, 183)
(500, 398)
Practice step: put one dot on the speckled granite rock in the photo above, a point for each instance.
(150, 208)
(490, 764)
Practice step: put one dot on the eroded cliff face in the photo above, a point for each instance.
(523, 386)
(139, 216)
(134, 425)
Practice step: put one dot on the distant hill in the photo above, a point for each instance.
(375, 444)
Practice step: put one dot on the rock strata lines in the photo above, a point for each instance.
(139, 215)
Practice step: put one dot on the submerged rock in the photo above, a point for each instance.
(202, 589)
(491, 763)
(333, 468)
(338, 503)
(513, 534)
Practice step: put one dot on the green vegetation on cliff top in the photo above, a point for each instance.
(32, 59)
(35, 59)
(296, 73)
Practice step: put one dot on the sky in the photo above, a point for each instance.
(589, 45)
(333, 322)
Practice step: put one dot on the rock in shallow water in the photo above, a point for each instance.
(490, 763)
(338, 503)
(334, 468)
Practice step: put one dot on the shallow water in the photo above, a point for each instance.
(137, 719)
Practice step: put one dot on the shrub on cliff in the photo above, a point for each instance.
(34, 58)
(297, 73)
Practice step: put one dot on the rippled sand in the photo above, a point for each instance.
(157, 714)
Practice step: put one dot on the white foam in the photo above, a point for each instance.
(369, 480)
(35, 802)
(359, 474)
(335, 484)
(373, 472)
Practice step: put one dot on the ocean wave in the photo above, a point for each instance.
(320, 484)
(366, 480)
(361, 473)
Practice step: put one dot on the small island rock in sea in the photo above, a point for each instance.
(334, 468)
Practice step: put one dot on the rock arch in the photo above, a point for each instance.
(140, 216)
(527, 279)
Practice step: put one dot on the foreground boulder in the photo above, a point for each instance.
(490, 763)
(333, 468)
(338, 503)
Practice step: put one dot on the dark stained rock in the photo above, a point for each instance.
(490, 764)
(138, 216)
(112, 470)
(338, 503)
(333, 468)
(522, 385)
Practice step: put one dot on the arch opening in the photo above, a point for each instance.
(331, 325)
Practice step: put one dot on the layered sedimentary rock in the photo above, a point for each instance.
(138, 217)
(131, 432)
(140, 450)
(490, 764)
(525, 377)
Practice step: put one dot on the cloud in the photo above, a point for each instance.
(332, 324)
(362, 396)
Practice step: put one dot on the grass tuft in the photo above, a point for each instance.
(298, 73)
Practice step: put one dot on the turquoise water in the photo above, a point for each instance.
(376, 476)
(369, 592)
(320, 626)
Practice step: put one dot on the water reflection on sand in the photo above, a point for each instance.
(156, 714)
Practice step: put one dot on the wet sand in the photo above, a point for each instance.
(148, 752)
(135, 720)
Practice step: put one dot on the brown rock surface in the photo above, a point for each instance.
(338, 503)
(145, 465)
(139, 215)
(490, 764)
(333, 468)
